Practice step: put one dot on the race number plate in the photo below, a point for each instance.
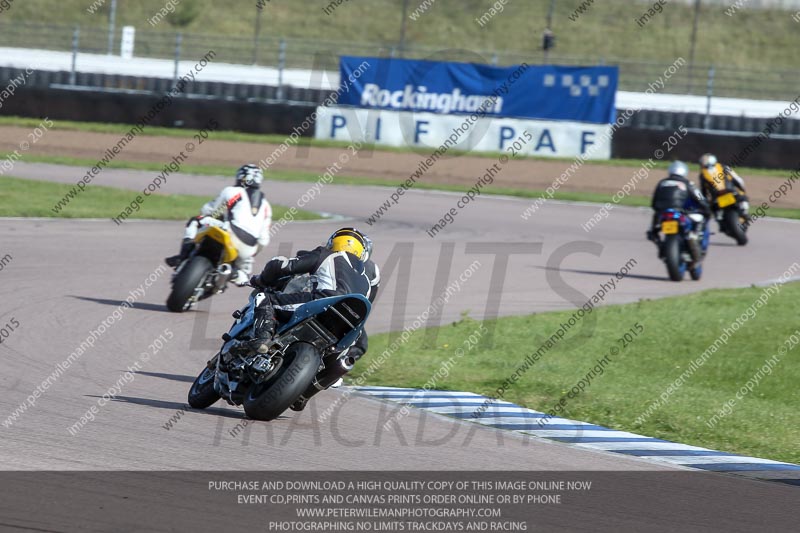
(726, 199)
(670, 227)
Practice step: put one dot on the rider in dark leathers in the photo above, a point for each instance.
(342, 266)
(677, 192)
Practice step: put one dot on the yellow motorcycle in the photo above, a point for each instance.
(731, 215)
(728, 204)
(205, 271)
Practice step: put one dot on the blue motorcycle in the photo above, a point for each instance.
(269, 381)
(681, 247)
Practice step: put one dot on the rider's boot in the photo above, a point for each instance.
(240, 278)
(652, 233)
(243, 269)
(186, 249)
(264, 323)
(652, 236)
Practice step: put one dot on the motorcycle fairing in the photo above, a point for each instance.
(341, 316)
(227, 250)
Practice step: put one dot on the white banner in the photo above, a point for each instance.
(464, 132)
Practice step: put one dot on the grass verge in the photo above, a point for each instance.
(765, 423)
(30, 198)
(310, 177)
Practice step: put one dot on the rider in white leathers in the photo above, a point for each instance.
(244, 212)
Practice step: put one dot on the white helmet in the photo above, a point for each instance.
(708, 160)
(678, 168)
(249, 176)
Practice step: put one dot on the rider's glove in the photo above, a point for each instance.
(274, 270)
(255, 281)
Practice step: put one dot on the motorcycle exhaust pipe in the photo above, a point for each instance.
(330, 375)
(346, 362)
(694, 248)
(225, 269)
(224, 272)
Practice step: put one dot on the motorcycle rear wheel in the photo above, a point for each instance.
(734, 225)
(185, 283)
(676, 268)
(266, 401)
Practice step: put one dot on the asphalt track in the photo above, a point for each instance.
(67, 276)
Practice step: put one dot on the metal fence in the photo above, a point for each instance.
(319, 55)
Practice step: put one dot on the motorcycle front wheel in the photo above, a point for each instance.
(202, 394)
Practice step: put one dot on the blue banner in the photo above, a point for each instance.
(548, 92)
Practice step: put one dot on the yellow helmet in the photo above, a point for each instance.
(349, 240)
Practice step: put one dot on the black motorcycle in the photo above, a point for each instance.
(681, 247)
(268, 381)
